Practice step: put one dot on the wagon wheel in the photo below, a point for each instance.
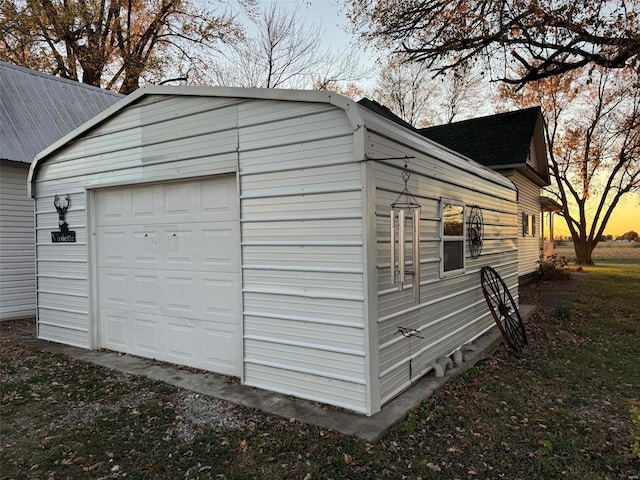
(503, 308)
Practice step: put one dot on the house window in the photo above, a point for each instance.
(533, 225)
(528, 225)
(452, 238)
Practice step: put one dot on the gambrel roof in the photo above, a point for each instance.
(37, 109)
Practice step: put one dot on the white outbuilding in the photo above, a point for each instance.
(36, 109)
(248, 232)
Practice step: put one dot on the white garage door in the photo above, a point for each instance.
(168, 273)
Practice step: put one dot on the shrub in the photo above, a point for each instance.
(553, 266)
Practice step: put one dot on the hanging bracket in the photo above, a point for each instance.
(405, 211)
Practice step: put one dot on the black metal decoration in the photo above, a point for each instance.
(475, 231)
(405, 210)
(65, 235)
(408, 332)
(503, 308)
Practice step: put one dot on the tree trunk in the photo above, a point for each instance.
(583, 252)
(129, 84)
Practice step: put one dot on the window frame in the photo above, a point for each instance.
(525, 224)
(528, 225)
(453, 238)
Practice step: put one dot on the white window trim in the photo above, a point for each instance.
(460, 271)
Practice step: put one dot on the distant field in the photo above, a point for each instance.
(605, 251)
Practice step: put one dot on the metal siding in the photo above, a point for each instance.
(17, 253)
(309, 386)
(62, 317)
(330, 151)
(299, 129)
(101, 159)
(529, 246)
(302, 229)
(301, 219)
(452, 311)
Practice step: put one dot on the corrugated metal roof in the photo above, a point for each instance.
(37, 109)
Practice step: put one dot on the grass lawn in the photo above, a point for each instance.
(559, 410)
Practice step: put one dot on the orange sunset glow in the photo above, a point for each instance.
(626, 217)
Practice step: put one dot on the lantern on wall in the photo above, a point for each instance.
(405, 228)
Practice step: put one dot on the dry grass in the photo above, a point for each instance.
(604, 251)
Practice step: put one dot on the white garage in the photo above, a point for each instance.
(248, 232)
(168, 263)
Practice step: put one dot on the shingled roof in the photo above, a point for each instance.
(37, 109)
(496, 141)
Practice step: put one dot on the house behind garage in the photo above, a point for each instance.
(511, 143)
(247, 232)
(36, 110)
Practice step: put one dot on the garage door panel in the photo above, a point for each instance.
(190, 246)
(146, 293)
(219, 298)
(114, 329)
(116, 243)
(219, 249)
(116, 294)
(112, 207)
(199, 295)
(182, 348)
(147, 335)
(219, 351)
(211, 200)
(168, 259)
(142, 203)
(180, 293)
(176, 199)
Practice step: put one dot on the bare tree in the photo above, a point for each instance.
(410, 91)
(462, 93)
(407, 90)
(592, 127)
(283, 52)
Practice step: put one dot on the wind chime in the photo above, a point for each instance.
(405, 216)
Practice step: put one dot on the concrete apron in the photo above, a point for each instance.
(368, 428)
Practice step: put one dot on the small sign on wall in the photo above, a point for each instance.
(65, 235)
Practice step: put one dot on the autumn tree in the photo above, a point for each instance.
(522, 41)
(113, 43)
(283, 52)
(592, 128)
